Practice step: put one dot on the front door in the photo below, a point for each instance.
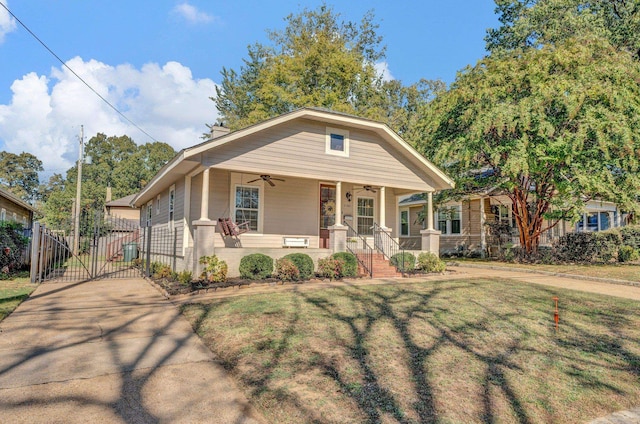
(327, 212)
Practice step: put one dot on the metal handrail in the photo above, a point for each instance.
(389, 247)
(358, 246)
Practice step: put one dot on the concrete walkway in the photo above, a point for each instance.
(110, 351)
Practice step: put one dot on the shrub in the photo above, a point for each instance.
(628, 254)
(256, 266)
(404, 261)
(350, 268)
(303, 262)
(430, 262)
(631, 236)
(286, 270)
(185, 277)
(330, 268)
(587, 247)
(161, 270)
(12, 244)
(215, 270)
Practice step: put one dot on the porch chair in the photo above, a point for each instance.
(230, 228)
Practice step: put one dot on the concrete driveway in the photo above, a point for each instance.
(110, 351)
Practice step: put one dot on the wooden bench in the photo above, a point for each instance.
(295, 241)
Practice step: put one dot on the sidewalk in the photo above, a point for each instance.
(626, 291)
(110, 351)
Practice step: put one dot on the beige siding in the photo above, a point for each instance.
(292, 207)
(11, 208)
(470, 236)
(298, 149)
(124, 212)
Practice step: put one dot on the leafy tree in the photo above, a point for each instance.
(106, 154)
(19, 174)
(318, 61)
(552, 127)
(133, 173)
(116, 162)
(534, 23)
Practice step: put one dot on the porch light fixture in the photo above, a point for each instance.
(348, 196)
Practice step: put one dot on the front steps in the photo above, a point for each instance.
(381, 267)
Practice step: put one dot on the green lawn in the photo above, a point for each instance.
(628, 272)
(12, 293)
(447, 352)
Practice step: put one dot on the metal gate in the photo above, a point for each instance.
(98, 246)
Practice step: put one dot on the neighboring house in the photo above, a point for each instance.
(292, 181)
(121, 208)
(14, 209)
(463, 224)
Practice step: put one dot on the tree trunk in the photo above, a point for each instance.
(529, 219)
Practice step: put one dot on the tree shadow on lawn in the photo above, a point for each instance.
(501, 333)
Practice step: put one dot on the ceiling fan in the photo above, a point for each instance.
(368, 188)
(268, 179)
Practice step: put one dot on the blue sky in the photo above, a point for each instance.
(159, 61)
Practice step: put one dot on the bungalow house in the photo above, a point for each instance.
(463, 224)
(14, 209)
(301, 180)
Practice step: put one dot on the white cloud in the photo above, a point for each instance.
(7, 23)
(383, 70)
(45, 113)
(192, 14)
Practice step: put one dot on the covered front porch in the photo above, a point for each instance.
(281, 214)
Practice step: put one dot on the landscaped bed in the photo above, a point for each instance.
(173, 287)
(462, 351)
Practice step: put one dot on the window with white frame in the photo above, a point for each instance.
(3, 215)
(595, 221)
(365, 215)
(404, 223)
(15, 217)
(448, 219)
(247, 206)
(149, 212)
(337, 142)
(172, 199)
(504, 215)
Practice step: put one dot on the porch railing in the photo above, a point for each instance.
(358, 246)
(389, 247)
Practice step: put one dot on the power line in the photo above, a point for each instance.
(77, 76)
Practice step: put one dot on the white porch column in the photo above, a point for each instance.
(204, 207)
(383, 208)
(584, 222)
(430, 237)
(430, 210)
(338, 203)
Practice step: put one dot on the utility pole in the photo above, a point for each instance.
(76, 230)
